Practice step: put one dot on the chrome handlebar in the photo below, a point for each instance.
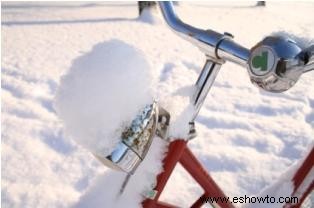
(215, 45)
(275, 64)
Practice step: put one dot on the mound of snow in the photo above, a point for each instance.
(102, 93)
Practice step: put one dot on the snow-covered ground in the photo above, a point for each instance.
(246, 138)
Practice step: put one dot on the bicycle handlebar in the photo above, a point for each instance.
(213, 44)
(274, 64)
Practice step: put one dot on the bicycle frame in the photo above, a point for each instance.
(218, 49)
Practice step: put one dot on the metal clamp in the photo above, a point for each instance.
(225, 36)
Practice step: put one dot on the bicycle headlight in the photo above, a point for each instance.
(136, 139)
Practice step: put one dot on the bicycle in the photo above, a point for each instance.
(275, 64)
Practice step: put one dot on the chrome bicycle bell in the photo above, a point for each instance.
(137, 138)
(275, 64)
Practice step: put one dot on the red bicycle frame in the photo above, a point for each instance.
(219, 48)
(178, 151)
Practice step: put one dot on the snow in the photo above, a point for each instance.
(140, 183)
(102, 93)
(247, 138)
(283, 187)
(150, 15)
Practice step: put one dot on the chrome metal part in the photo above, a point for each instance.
(213, 44)
(230, 51)
(125, 183)
(308, 56)
(192, 130)
(137, 138)
(285, 61)
(163, 123)
(203, 84)
(275, 64)
(135, 142)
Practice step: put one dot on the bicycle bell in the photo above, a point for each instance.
(137, 138)
(275, 64)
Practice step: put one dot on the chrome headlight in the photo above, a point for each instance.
(136, 139)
